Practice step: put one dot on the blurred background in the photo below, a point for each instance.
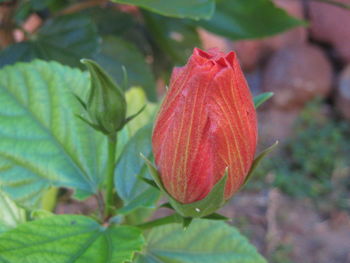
(296, 207)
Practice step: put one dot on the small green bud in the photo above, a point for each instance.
(106, 104)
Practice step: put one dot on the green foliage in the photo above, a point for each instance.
(175, 38)
(42, 141)
(195, 9)
(155, 34)
(10, 214)
(282, 254)
(130, 168)
(66, 39)
(45, 146)
(135, 98)
(69, 238)
(203, 241)
(242, 19)
(310, 163)
(116, 53)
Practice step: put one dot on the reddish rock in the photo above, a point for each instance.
(275, 125)
(252, 52)
(210, 40)
(343, 93)
(295, 36)
(331, 24)
(249, 52)
(297, 75)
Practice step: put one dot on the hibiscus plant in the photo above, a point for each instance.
(155, 170)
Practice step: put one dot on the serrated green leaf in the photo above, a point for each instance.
(66, 39)
(203, 241)
(69, 238)
(244, 19)
(42, 142)
(134, 191)
(195, 9)
(116, 53)
(10, 214)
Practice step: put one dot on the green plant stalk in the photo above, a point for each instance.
(110, 194)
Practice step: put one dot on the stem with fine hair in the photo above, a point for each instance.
(110, 194)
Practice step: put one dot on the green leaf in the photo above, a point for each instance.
(40, 214)
(195, 9)
(69, 238)
(42, 142)
(10, 214)
(135, 99)
(244, 19)
(3, 227)
(203, 241)
(66, 39)
(130, 167)
(261, 98)
(116, 53)
(110, 21)
(40, 4)
(174, 37)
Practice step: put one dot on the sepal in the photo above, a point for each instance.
(205, 207)
(261, 98)
(258, 159)
(134, 115)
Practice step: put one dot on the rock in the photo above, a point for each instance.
(295, 36)
(343, 93)
(210, 40)
(275, 125)
(331, 24)
(297, 75)
(249, 52)
(254, 81)
(252, 52)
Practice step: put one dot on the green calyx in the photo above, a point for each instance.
(106, 104)
(203, 208)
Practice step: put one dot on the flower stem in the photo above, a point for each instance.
(110, 194)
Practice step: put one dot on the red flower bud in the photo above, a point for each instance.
(207, 122)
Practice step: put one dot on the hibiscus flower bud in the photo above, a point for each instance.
(106, 105)
(206, 124)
